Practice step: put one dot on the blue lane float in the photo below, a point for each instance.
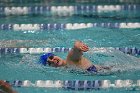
(66, 10)
(82, 85)
(126, 50)
(6, 26)
(38, 9)
(1, 10)
(9, 50)
(132, 51)
(52, 26)
(76, 84)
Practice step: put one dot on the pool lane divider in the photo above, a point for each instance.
(70, 1)
(77, 84)
(126, 50)
(66, 10)
(67, 26)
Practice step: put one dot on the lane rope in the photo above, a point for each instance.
(70, 1)
(67, 26)
(77, 84)
(66, 10)
(126, 50)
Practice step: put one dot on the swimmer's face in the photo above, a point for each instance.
(55, 61)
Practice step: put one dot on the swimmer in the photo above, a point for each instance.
(5, 87)
(74, 58)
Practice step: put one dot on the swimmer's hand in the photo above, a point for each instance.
(6, 87)
(81, 46)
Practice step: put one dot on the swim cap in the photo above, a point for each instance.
(44, 57)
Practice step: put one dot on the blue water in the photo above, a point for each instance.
(24, 67)
(12, 68)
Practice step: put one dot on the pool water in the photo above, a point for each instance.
(24, 66)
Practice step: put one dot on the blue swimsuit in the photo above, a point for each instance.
(92, 69)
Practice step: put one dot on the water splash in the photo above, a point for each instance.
(110, 57)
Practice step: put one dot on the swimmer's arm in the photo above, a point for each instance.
(77, 51)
